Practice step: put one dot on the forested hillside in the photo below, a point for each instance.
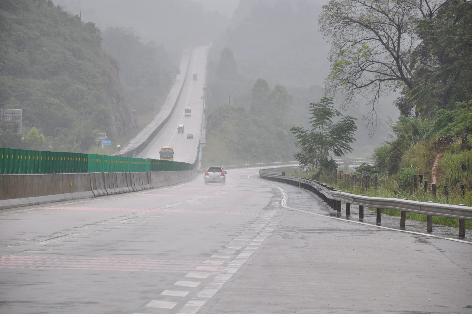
(54, 67)
(248, 120)
(146, 72)
(278, 41)
(424, 54)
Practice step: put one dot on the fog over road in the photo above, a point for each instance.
(217, 248)
(191, 96)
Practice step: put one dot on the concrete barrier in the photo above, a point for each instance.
(18, 190)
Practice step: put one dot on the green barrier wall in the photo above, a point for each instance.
(18, 161)
(106, 163)
(164, 165)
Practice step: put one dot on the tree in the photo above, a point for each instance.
(373, 41)
(442, 75)
(331, 133)
(227, 67)
(279, 100)
(34, 139)
(260, 94)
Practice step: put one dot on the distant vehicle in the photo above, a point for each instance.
(187, 112)
(181, 128)
(214, 174)
(166, 153)
(190, 136)
(195, 76)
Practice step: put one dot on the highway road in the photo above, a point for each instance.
(249, 246)
(191, 96)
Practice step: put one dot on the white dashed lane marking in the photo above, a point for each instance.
(213, 262)
(207, 292)
(200, 275)
(161, 304)
(220, 256)
(175, 293)
(208, 268)
(187, 283)
(192, 306)
(222, 265)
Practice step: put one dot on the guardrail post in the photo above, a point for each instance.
(348, 210)
(361, 213)
(338, 208)
(378, 222)
(462, 228)
(403, 218)
(429, 223)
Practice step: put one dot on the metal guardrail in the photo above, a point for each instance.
(335, 198)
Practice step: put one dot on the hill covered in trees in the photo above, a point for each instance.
(54, 67)
(423, 51)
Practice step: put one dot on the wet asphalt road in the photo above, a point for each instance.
(217, 248)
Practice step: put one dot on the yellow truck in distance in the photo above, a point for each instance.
(166, 153)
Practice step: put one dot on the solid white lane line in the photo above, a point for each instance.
(174, 293)
(284, 205)
(161, 304)
(187, 283)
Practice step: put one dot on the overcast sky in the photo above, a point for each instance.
(225, 7)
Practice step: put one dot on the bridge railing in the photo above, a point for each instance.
(335, 200)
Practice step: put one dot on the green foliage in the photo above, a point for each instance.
(34, 139)
(382, 156)
(405, 179)
(455, 167)
(146, 72)
(227, 67)
(331, 133)
(234, 135)
(453, 123)
(366, 169)
(419, 156)
(260, 95)
(443, 60)
(53, 67)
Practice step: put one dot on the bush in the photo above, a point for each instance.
(455, 168)
(421, 156)
(405, 179)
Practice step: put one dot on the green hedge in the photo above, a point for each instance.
(18, 161)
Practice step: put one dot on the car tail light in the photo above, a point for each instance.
(222, 173)
(206, 173)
